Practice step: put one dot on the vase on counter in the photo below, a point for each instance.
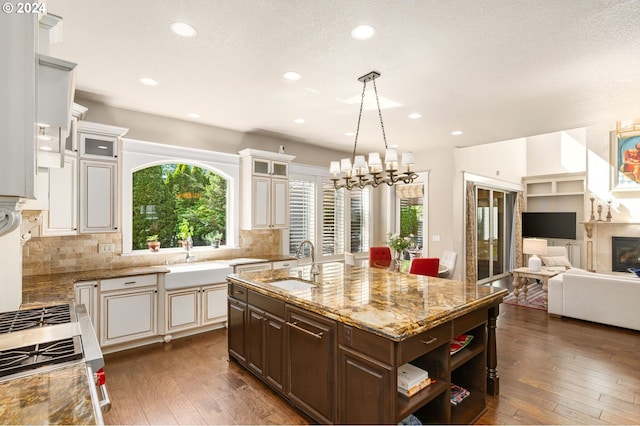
(397, 260)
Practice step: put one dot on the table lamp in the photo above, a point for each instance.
(534, 247)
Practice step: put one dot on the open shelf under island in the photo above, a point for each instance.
(332, 344)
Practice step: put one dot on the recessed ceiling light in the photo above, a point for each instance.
(299, 120)
(148, 81)
(194, 115)
(291, 75)
(363, 32)
(183, 30)
(456, 132)
(415, 115)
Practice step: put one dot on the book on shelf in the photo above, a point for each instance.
(409, 376)
(458, 393)
(415, 389)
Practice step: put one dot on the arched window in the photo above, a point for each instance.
(171, 202)
(168, 190)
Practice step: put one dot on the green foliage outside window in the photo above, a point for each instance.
(167, 196)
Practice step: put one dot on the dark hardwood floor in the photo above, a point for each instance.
(552, 371)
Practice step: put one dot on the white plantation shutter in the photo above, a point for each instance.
(301, 214)
(333, 225)
(360, 219)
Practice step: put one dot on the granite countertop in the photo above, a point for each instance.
(44, 398)
(390, 304)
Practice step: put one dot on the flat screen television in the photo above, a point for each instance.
(549, 225)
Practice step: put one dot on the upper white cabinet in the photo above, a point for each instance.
(98, 176)
(61, 218)
(264, 189)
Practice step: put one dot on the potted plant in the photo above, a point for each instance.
(184, 232)
(153, 243)
(214, 238)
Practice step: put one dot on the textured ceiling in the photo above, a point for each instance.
(494, 69)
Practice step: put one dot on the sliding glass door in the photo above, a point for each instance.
(493, 231)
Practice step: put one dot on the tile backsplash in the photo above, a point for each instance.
(50, 255)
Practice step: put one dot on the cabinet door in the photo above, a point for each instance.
(214, 304)
(274, 351)
(255, 340)
(279, 169)
(98, 197)
(87, 295)
(364, 390)
(237, 315)
(280, 203)
(311, 352)
(261, 202)
(62, 216)
(126, 316)
(183, 309)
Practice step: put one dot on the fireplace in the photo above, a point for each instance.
(625, 253)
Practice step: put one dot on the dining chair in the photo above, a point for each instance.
(425, 266)
(379, 257)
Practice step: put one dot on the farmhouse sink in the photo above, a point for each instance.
(293, 285)
(195, 274)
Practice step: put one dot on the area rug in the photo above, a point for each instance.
(534, 300)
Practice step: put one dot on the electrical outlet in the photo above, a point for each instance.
(435, 238)
(106, 248)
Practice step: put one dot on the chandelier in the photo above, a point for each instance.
(357, 173)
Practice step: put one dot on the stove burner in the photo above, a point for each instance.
(34, 318)
(33, 356)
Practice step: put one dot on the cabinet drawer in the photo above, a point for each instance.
(423, 343)
(128, 282)
(284, 264)
(469, 321)
(238, 292)
(266, 303)
(366, 343)
(252, 267)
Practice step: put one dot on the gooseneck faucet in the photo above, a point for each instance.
(314, 266)
(190, 258)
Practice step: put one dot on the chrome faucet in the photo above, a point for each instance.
(315, 270)
(190, 258)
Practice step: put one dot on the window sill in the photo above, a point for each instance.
(177, 250)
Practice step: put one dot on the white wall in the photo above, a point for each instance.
(558, 152)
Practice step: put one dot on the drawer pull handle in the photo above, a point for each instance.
(240, 291)
(293, 324)
(430, 341)
(129, 282)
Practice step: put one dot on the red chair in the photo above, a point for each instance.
(425, 266)
(379, 257)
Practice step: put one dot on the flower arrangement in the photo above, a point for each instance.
(398, 243)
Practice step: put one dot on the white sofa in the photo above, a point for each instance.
(602, 298)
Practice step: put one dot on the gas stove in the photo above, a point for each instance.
(41, 339)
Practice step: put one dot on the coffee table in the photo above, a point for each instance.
(521, 280)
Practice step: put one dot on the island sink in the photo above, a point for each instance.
(195, 274)
(293, 285)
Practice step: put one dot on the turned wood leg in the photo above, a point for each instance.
(545, 290)
(493, 381)
(525, 285)
(516, 285)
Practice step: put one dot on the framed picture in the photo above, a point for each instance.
(625, 161)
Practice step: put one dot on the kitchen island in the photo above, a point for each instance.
(332, 344)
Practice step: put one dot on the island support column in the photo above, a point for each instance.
(493, 381)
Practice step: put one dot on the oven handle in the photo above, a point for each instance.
(105, 402)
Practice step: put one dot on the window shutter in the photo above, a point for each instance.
(333, 226)
(301, 214)
(360, 219)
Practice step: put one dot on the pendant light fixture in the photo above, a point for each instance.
(356, 172)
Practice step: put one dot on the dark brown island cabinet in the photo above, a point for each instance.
(338, 373)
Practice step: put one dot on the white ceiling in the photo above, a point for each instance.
(495, 69)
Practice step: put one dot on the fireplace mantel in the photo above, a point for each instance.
(599, 234)
(588, 226)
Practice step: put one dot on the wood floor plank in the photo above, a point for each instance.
(552, 371)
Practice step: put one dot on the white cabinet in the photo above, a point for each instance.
(128, 309)
(195, 307)
(86, 293)
(61, 218)
(99, 144)
(98, 196)
(264, 189)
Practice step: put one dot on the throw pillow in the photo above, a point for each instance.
(556, 261)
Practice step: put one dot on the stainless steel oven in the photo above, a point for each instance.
(40, 339)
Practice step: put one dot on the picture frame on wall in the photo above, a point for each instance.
(625, 161)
